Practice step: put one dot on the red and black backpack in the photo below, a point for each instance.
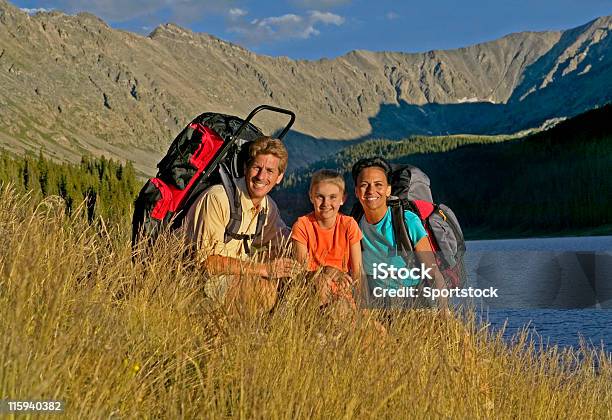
(211, 150)
(410, 190)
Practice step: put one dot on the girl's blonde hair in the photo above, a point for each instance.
(327, 175)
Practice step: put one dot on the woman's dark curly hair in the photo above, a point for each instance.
(378, 162)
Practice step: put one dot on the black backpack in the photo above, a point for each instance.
(410, 190)
(211, 150)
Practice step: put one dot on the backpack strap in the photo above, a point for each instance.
(261, 220)
(424, 209)
(233, 226)
(404, 244)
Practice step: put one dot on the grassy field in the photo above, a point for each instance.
(82, 323)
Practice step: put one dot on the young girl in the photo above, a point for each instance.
(329, 241)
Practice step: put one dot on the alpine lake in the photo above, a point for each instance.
(558, 289)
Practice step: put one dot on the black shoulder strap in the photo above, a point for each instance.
(261, 221)
(229, 186)
(404, 244)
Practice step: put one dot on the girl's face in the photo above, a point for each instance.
(326, 198)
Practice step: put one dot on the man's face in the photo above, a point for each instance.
(372, 189)
(262, 175)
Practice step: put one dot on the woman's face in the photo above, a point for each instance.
(372, 189)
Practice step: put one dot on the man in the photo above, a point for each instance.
(233, 273)
(372, 189)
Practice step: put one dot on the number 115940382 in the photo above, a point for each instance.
(14, 406)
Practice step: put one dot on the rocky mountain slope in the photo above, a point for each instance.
(72, 84)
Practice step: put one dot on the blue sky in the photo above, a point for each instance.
(313, 29)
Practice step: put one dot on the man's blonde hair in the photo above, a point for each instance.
(268, 146)
(327, 175)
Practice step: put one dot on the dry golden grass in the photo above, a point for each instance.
(81, 323)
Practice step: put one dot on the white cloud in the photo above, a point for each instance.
(275, 28)
(391, 15)
(34, 11)
(319, 4)
(236, 12)
(149, 13)
(327, 18)
(179, 11)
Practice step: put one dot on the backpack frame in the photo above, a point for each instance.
(210, 150)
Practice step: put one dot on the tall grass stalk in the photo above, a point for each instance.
(83, 323)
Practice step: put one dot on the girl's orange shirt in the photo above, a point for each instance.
(327, 247)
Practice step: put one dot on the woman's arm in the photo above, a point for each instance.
(425, 255)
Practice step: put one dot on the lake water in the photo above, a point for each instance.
(561, 288)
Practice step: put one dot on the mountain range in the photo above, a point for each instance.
(71, 85)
